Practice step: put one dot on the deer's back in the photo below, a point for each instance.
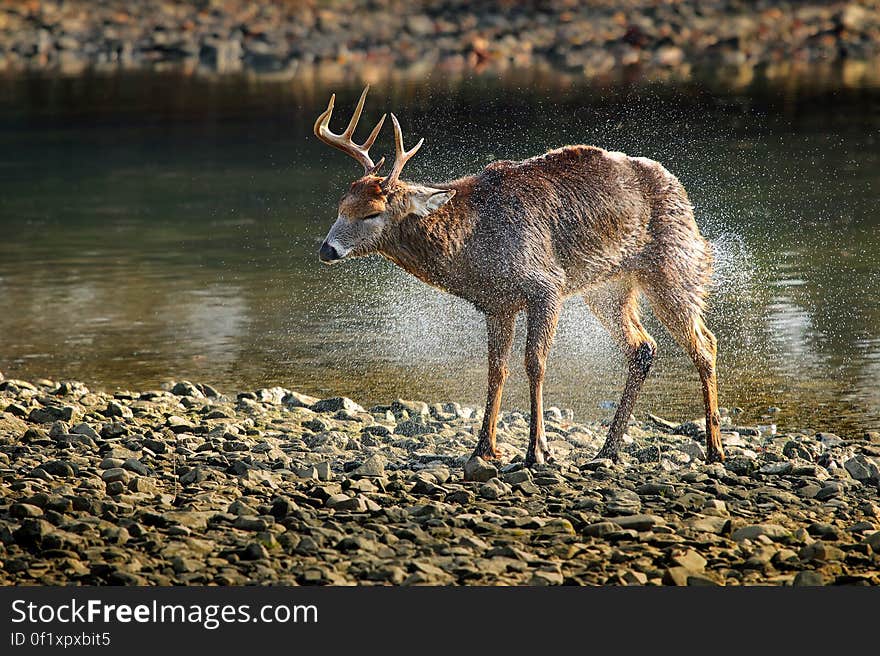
(581, 213)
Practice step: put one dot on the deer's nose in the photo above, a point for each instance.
(328, 253)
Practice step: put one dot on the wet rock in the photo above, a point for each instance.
(337, 403)
(186, 388)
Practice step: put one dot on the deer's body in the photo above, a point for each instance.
(573, 219)
(526, 235)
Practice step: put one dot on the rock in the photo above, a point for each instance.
(33, 532)
(337, 403)
(240, 508)
(297, 400)
(753, 531)
(255, 524)
(24, 510)
(11, 426)
(820, 551)
(346, 503)
(515, 477)
(143, 485)
(115, 474)
(478, 470)
(601, 529)
(464, 497)
(693, 449)
(413, 427)
(874, 541)
(51, 413)
(809, 578)
(59, 468)
(372, 467)
(136, 466)
(638, 522)
(493, 489)
(273, 395)
(254, 551)
(542, 578)
(114, 409)
(862, 468)
(186, 388)
(676, 576)
(776, 468)
(323, 471)
(690, 560)
(621, 502)
(411, 408)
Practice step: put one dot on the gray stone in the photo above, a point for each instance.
(372, 467)
(621, 502)
(478, 470)
(862, 468)
(752, 531)
(515, 477)
(337, 403)
(809, 578)
(59, 468)
(297, 400)
(639, 522)
(114, 474)
(600, 529)
(412, 408)
(345, 502)
(186, 388)
(52, 413)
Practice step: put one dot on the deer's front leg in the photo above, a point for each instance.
(543, 315)
(499, 330)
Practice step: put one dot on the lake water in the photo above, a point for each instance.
(164, 227)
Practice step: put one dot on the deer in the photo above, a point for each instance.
(524, 236)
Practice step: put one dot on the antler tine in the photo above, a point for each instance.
(343, 141)
(401, 156)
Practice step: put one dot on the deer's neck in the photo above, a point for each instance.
(430, 247)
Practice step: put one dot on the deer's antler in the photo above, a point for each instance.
(344, 142)
(401, 156)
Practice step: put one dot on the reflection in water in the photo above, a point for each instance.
(169, 230)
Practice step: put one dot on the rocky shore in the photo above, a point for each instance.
(589, 39)
(190, 486)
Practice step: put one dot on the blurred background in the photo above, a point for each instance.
(162, 197)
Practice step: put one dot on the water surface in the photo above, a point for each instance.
(163, 227)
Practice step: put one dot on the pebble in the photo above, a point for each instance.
(170, 496)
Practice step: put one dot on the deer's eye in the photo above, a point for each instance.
(375, 215)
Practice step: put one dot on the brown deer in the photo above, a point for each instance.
(526, 235)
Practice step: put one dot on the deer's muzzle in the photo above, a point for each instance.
(328, 253)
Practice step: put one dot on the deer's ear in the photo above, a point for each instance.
(424, 200)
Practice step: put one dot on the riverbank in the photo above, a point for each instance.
(190, 486)
(595, 39)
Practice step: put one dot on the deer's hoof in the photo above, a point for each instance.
(540, 456)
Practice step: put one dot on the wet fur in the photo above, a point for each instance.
(526, 235)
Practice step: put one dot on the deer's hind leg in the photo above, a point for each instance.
(616, 306)
(680, 307)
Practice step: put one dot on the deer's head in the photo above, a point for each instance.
(373, 205)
